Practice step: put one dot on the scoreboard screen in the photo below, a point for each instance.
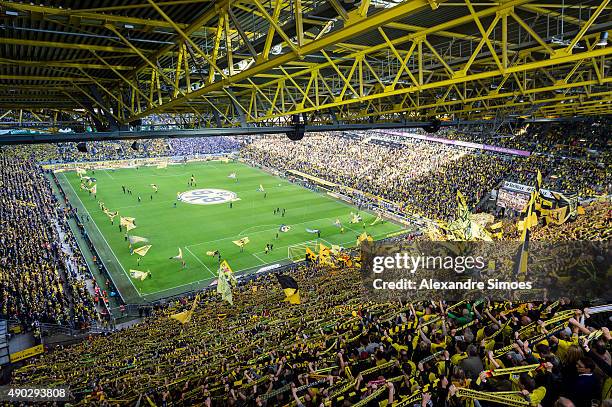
(507, 198)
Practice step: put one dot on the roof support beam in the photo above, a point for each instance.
(184, 36)
(241, 32)
(586, 26)
(193, 27)
(44, 78)
(68, 45)
(61, 64)
(367, 24)
(48, 11)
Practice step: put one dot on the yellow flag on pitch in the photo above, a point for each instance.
(241, 242)
(139, 275)
(111, 215)
(126, 221)
(179, 256)
(137, 239)
(142, 251)
(378, 219)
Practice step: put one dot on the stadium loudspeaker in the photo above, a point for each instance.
(82, 147)
(299, 127)
(135, 146)
(296, 135)
(433, 127)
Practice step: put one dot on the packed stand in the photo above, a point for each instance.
(123, 149)
(40, 266)
(586, 178)
(203, 145)
(340, 349)
(112, 150)
(594, 225)
(587, 139)
(421, 176)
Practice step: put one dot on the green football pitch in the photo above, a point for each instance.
(203, 221)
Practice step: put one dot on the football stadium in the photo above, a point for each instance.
(306, 203)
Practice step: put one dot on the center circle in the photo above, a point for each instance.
(208, 196)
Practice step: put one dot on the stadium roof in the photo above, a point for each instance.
(108, 63)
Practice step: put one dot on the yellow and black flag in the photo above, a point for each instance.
(290, 288)
(364, 237)
(529, 221)
(310, 255)
(185, 316)
(496, 230)
(522, 255)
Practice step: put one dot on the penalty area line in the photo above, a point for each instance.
(200, 261)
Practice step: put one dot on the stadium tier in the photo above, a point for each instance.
(304, 203)
(173, 271)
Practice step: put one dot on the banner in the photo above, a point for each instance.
(488, 147)
(27, 353)
(312, 178)
(546, 193)
(518, 187)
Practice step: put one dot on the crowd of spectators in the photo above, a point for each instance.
(586, 178)
(341, 349)
(421, 176)
(335, 347)
(112, 150)
(203, 145)
(41, 269)
(594, 225)
(574, 139)
(129, 149)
